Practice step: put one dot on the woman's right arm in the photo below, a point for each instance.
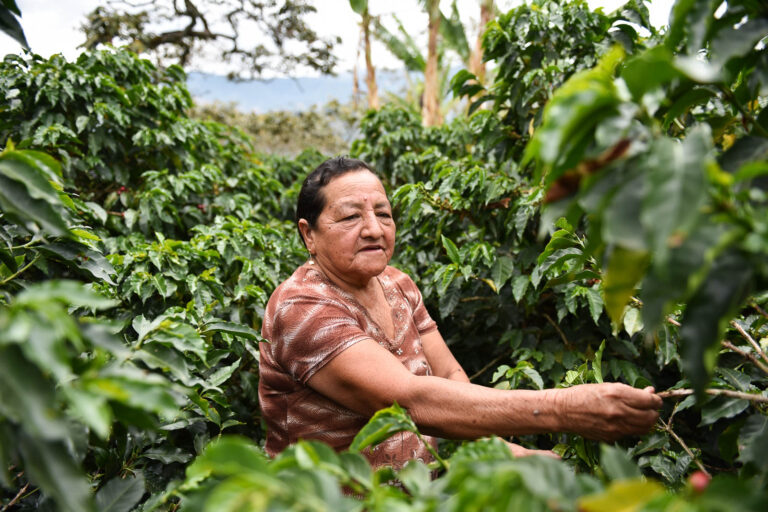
(366, 377)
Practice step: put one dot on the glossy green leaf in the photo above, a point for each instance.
(382, 426)
(648, 70)
(625, 269)
(721, 407)
(677, 188)
(703, 323)
(233, 328)
(359, 6)
(452, 250)
(120, 494)
(753, 441)
(52, 468)
(617, 464)
(26, 194)
(11, 26)
(82, 257)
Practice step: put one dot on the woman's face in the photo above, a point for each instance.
(354, 235)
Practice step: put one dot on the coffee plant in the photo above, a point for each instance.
(600, 214)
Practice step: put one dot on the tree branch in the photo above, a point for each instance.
(752, 359)
(15, 498)
(490, 365)
(676, 393)
(667, 427)
(730, 346)
(20, 271)
(751, 341)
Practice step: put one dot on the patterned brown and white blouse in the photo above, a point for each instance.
(309, 321)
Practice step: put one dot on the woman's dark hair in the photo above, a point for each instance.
(311, 198)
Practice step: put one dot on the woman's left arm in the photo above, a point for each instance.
(441, 359)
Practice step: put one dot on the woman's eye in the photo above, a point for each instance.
(385, 215)
(350, 217)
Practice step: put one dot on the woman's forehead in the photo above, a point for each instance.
(355, 188)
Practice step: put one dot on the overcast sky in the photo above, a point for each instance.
(53, 27)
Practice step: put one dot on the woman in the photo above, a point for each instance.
(350, 335)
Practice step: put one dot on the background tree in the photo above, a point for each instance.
(430, 110)
(179, 32)
(476, 64)
(361, 8)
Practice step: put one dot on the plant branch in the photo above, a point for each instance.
(559, 331)
(675, 393)
(667, 427)
(15, 498)
(489, 365)
(747, 355)
(20, 271)
(759, 309)
(751, 340)
(730, 346)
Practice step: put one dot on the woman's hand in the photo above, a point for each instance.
(608, 411)
(521, 451)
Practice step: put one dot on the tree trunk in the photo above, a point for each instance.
(355, 81)
(476, 64)
(370, 77)
(430, 109)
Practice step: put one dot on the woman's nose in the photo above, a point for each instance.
(371, 226)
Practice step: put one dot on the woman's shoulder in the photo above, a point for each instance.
(401, 280)
(305, 281)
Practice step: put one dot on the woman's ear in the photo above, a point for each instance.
(306, 233)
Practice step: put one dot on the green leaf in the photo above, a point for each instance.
(630, 494)
(632, 321)
(737, 41)
(120, 494)
(383, 425)
(621, 219)
(223, 374)
(519, 285)
(595, 302)
(571, 116)
(617, 464)
(693, 97)
(28, 397)
(648, 70)
(416, 477)
(183, 337)
(503, 268)
(82, 257)
(91, 409)
(11, 26)
(625, 269)
(232, 328)
(72, 293)
(359, 6)
(753, 441)
(225, 456)
(721, 407)
(677, 176)
(452, 250)
(597, 364)
(26, 193)
(708, 313)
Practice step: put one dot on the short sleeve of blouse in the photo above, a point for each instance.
(308, 331)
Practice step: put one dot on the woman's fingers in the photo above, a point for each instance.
(611, 410)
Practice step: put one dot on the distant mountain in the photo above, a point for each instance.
(285, 93)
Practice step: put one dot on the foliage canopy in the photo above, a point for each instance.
(612, 228)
